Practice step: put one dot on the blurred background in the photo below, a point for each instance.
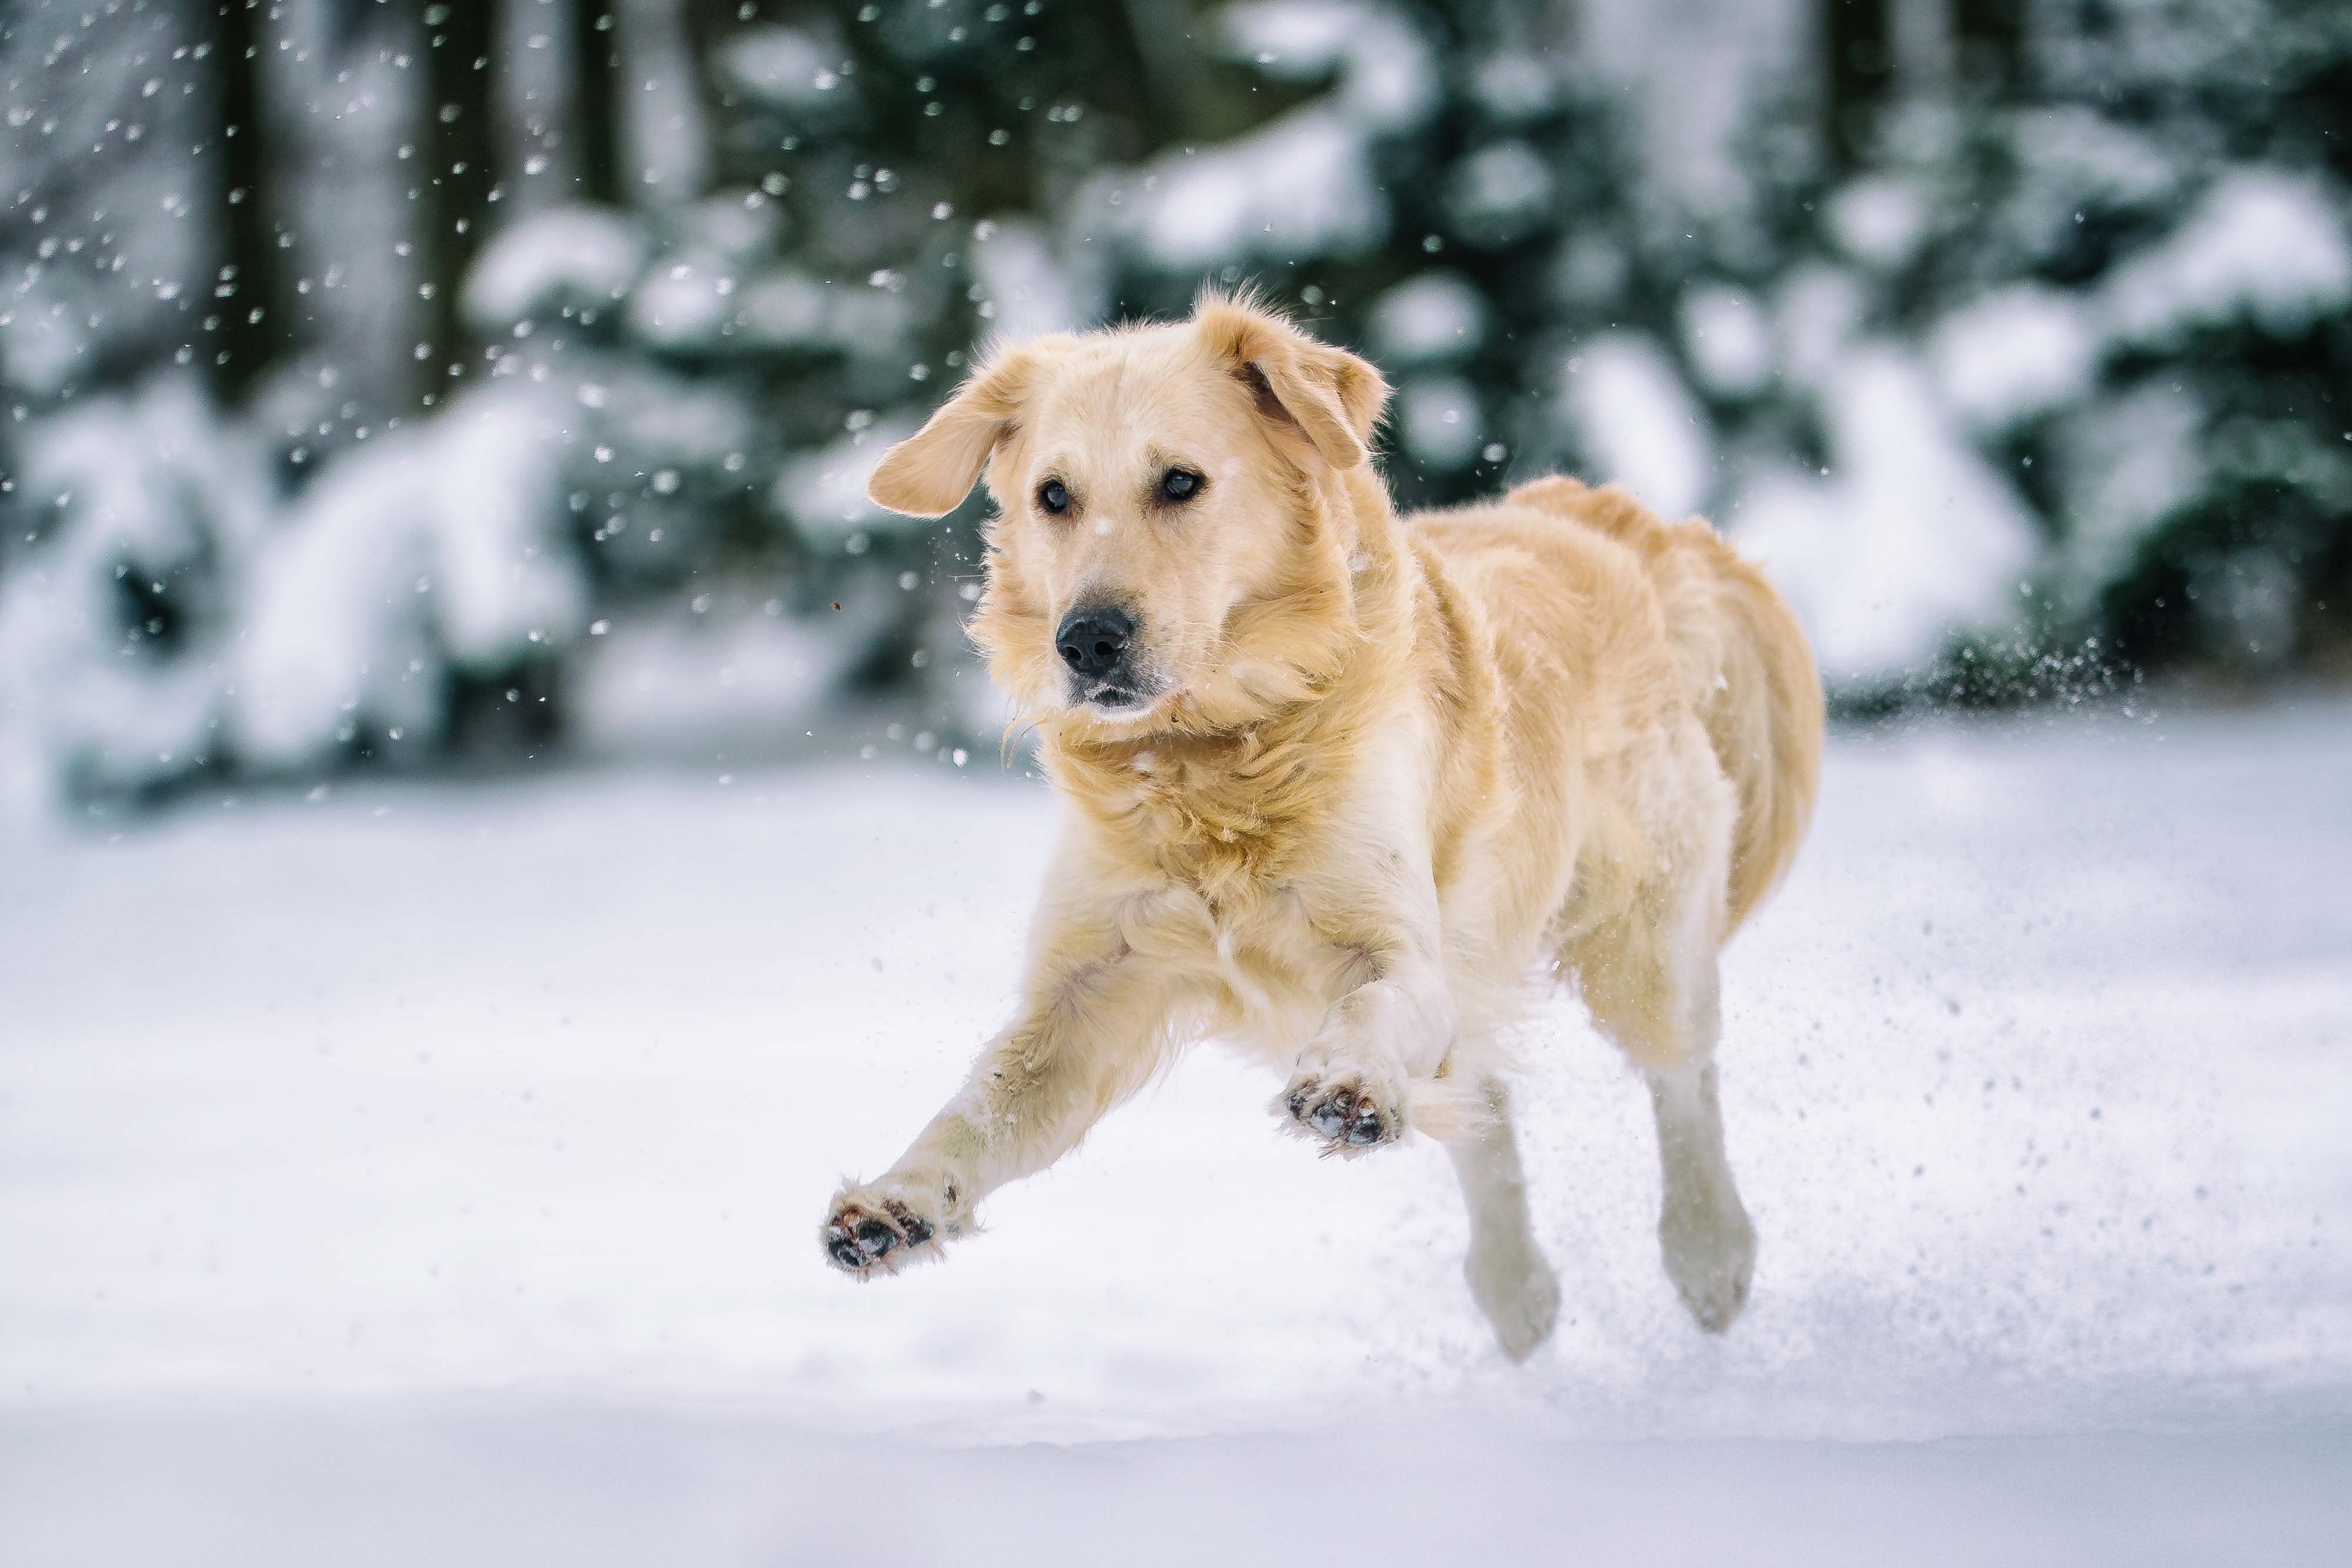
(389, 384)
(493, 827)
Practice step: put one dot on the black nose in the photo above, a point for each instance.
(1093, 641)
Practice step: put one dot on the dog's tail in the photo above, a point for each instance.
(1762, 709)
(1744, 666)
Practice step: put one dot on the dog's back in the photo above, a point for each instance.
(1739, 660)
(1744, 666)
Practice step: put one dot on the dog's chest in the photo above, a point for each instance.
(1229, 823)
(1224, 853)
(1265, 971)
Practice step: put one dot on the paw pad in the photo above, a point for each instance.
(858, 1236)
(1344, 1113)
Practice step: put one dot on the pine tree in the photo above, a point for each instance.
(828, 286)
(1508, 219)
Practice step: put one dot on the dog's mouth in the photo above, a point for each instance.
(1115, 700)
(1107, 695)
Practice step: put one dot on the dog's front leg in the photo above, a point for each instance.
(1093, 1025)
(1394, 1023)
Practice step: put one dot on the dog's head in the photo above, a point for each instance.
(1164, 553)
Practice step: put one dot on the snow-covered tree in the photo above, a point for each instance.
(2000, 363)
(2014, 336)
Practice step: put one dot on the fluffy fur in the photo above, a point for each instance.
(1384, 775)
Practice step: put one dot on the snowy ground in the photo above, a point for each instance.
(424, 1175)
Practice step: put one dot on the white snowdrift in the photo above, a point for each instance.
(429, 547)
(2034, 1076)
(148, 484)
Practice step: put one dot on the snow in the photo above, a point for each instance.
(1909, 538)
(1696, 73)
(824, 492)
(685, 305)
(143, 483)
(2260, 244)
(785, 68)
(45, 348)
(2073, 158)
(1501, 194)
(456, 1159)
(785, 308)
(547, 262)
(1638, 425)
(731, 680)
(728, 225)
(1438, 418)
(470, 1489)
(1817, 316)
(1028, 290)
(2014, 353)
(2130, 463)
(1727, 339)
(1387, 79)
(1879, 222)
(1301, 184)
(1514, 88)
(1437, 316)
(429, 547)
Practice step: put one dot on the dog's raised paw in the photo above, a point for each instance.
(1343, 1112)
(868, 1233)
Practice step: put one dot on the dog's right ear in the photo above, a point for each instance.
(1311, 392)
(929, 474)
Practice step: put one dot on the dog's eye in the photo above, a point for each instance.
(1179, 485)
(1053, 498)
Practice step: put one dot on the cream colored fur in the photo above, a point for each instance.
(1395, 772)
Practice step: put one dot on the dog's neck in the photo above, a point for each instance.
(1219, 795)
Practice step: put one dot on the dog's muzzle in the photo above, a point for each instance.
(1096, 646)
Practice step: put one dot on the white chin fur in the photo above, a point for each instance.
(1126, 714)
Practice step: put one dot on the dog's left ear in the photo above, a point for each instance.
(1305, 388)
(929, 474)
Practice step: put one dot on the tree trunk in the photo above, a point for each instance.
(461, 137)
(1992, 38)
(1857, 37)
(598, 131)
(253, 299)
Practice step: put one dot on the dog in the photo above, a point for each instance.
(1348, 786)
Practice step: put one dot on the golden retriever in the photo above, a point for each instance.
(1347, 784)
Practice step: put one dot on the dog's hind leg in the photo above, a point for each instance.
(1508, 1277)
(1650, 978)
(1660, 1008)
(1705, 1236)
